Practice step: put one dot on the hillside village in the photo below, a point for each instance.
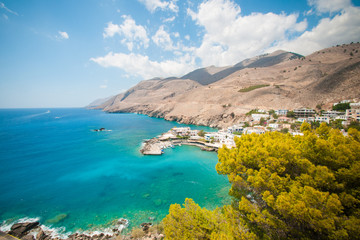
(258, 121)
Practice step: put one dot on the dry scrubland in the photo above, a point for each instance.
(216, 97)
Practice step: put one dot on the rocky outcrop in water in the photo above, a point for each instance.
(33, 231)
(19, 230)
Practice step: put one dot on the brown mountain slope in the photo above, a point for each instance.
(149, 92)
(323, 77)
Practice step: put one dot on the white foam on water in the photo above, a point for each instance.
(60, 232)
(6, 225)
(107, 231)
(56, 232)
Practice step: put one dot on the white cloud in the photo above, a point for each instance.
(2, 5)
(324, 6)
(153, 5)
(111, 30)
(230, 37)
(342, 28)
(63, 35)
(170, 19)
(140, 65)
(162, 39)
(131, 32)
(5, 16)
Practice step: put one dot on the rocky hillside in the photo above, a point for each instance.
(221, 96)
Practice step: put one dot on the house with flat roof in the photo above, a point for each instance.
(355, 105)
(257, 117)
(322, 119)
(284, 119)
(304, 112)
(332, 114)
(281, 112)
(353, 114)
(235, 128)
(274, 125)
(255, 129)
(181, 131)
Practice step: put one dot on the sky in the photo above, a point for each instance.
(66, 53)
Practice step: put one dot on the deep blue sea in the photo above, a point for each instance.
(55, 168)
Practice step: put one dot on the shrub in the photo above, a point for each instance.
(248, 89)
(137, 233)
(341, 106)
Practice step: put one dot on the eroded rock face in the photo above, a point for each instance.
(19, 230)
(42, 236)
(28, 237)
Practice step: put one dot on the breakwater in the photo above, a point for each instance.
(156, 146)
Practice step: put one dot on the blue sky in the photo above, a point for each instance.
(66, 53)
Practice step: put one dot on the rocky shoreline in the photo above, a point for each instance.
(35, 231)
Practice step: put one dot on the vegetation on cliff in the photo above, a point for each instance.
(283, 187)
(248, 89)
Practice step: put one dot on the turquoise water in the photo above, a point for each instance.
(51, 163)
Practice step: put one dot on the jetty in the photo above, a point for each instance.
(156, 146)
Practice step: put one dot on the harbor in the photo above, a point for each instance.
(170, 139)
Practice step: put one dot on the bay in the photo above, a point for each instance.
(54, 167)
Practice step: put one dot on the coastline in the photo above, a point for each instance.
(155, 146)
(33, 228)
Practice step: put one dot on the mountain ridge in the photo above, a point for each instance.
(214, 99)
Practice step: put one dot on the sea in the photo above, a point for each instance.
(56, 169)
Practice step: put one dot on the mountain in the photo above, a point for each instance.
(213, 74)
(98, 102)
(219, 96)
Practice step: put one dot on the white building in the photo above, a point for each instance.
(355, 105)
(322, 119)
(304, 112)
(257, 117)
(311, 119)
(281, 112)
(211, 136)
(332, 114)
(297, 134)
(301, 120)
(193, 133)
(353, 114)
(343, 117)
(182, 131)
(222, 138)
(274, 125)
(257, 130)
(235, 128)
